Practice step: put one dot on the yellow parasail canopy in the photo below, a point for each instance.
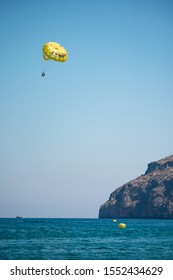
(54, 51)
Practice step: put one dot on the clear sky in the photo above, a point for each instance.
(94, 122)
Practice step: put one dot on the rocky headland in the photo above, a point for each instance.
(148, 196)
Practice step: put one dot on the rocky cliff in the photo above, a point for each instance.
(148, 196)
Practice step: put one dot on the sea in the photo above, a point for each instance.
(85, 239)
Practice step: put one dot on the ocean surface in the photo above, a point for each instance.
(85, 239)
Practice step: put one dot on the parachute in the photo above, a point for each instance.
(54, 51)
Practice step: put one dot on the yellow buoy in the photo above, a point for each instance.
(114, 221)
(121, 225)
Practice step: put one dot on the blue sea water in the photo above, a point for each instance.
(85, 239)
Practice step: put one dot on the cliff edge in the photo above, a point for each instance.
(148, 196)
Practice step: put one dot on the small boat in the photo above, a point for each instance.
(18, 217)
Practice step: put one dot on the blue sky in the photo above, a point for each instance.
(94, 122)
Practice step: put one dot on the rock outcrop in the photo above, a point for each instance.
(148, 196)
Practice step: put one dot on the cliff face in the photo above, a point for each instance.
(148, 196)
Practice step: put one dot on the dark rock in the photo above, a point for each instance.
(148, 196)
